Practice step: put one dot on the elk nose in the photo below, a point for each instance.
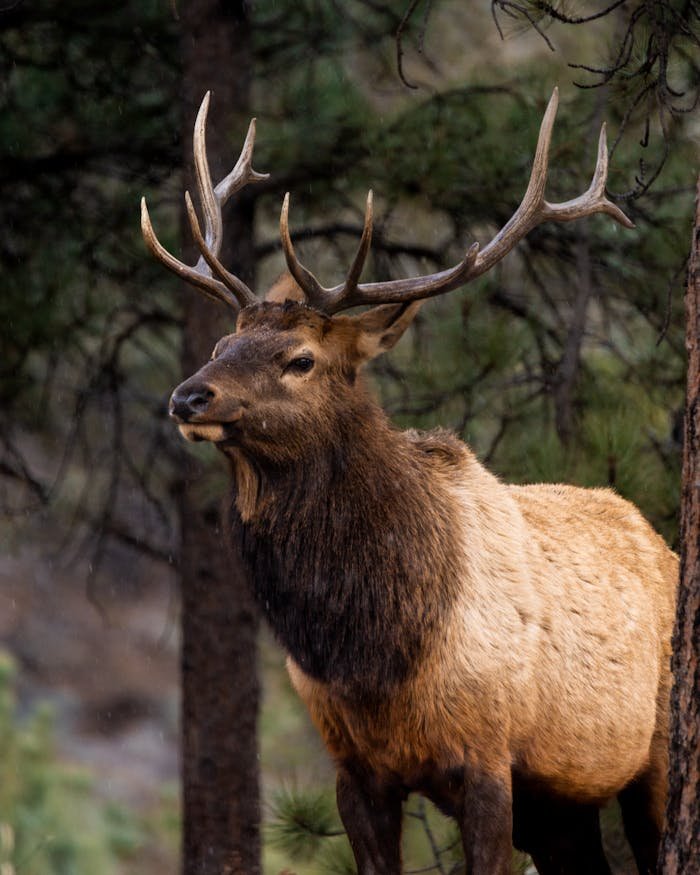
(187, 401)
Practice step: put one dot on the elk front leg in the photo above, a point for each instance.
(486, 821)
(371, 814)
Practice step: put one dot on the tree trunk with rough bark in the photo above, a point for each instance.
(219, 623)
(680, 852)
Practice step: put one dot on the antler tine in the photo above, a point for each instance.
(203, 281)
(227, 288)
(365, 242)
(315, 293)
(243, 172)
(530, 212)
(210, 205)
(593, 200)
(533, 210)
(332, 299)
(243, 295)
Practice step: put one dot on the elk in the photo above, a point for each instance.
(503, 650)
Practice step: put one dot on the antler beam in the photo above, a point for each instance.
(209, 274)
(533, 210)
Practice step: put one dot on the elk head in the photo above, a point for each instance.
(276, 385)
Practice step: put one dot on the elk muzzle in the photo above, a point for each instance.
(202, 412)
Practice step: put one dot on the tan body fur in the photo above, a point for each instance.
(541, 653)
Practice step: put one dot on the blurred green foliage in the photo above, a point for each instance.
(53, 817)
(300, 821)
(50, 820)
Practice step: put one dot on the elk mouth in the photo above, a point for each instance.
(202, 431)
(214, 431)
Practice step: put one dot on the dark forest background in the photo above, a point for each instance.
(565, 363)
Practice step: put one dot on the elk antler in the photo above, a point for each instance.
(533, 210)
(227, 288)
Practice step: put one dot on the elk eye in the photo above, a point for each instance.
(301, 365)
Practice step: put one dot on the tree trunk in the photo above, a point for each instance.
(219, 623)
(570, 362)
(680, 852)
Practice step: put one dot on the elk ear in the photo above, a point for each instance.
(285, 288)
(381, 327)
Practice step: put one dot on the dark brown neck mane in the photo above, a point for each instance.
(350, 552)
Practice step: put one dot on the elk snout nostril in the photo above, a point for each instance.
(187, 402)
(198, 401)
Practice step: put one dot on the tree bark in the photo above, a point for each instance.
(680, 852)
(220, 796)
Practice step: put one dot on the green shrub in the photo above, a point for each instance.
(50, 822)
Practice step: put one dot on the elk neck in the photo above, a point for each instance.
(351, 548)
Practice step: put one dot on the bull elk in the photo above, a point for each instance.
(503, 650)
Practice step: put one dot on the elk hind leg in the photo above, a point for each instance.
(562, 836)
(642, 803)
(643, 800)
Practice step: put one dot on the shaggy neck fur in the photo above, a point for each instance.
(349, 549)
